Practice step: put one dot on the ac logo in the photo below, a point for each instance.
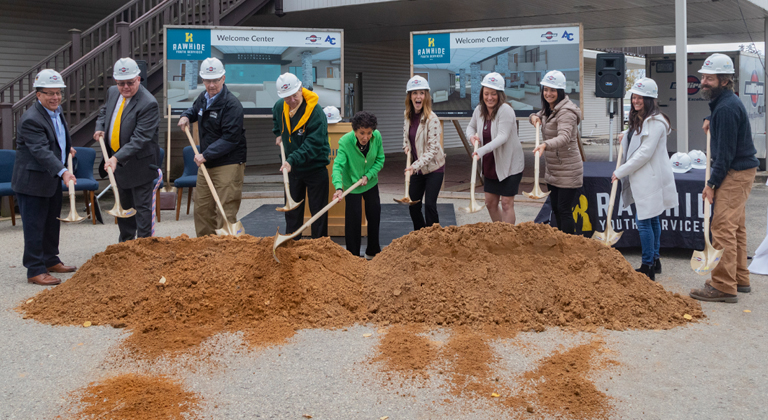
(430, 42)
(188, 37)
(330, 40)
(568, 36)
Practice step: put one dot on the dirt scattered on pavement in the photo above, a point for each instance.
(480, 282)
(135, 397)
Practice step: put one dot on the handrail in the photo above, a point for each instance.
(63, 56)
(89, 75)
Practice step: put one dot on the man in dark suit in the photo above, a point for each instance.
(42, 144)
(128, 122)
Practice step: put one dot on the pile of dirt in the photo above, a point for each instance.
(136, 397)
(523, 277)
(212, 284)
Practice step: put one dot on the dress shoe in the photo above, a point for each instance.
(44, 279)
(61, 268)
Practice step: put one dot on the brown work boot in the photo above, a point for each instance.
(61, 268)
(710, 294)
(743, 288)
(44, 279)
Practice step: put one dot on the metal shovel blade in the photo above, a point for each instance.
(290, 205)
(72, 217)
(279, 239)
(609, 237)
(406, 200)
(473, 207)
(702, 262)
(537, 193)
(118, 211)
(233, 229)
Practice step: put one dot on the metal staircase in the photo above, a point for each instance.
(135, 30)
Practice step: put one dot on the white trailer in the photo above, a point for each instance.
(749, 86)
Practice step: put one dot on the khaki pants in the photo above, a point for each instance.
(228, 181)
(729, 232)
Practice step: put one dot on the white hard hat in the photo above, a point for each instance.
(49, 79)
(554, 79)
(287, 85)
(332, 113)
(717, 64)
(698, 159)
(645, 87)
(681, 163)
(494, 81)
(211, 68)
(125, 69)
(417, 83)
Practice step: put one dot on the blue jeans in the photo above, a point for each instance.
(650, 238)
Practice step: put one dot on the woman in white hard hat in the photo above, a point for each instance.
(360, 156)
(559, 119)
(493, 125)
(646, 175)
(421, 138)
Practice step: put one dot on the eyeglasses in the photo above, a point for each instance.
(211, 81)
(51, 94)
(128, 83)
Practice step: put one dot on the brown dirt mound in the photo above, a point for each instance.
(523, 277)
(485, 275)
(213, 284)
(136, 397)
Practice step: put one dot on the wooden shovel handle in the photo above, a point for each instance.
(205, 174)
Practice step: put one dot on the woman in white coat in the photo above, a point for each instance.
(646, 176)
(493, 125)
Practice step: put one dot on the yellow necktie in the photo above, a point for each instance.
(116, 128)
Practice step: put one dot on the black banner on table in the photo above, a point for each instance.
(681, 227)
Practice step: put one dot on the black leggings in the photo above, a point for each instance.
(425, 188)
(562, 201)
(353, 218)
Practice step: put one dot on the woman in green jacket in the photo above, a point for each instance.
(360, 156)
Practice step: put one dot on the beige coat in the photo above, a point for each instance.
(428, 147)
(505, 145)
(564, 168)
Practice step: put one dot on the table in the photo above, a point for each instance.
(681, 227)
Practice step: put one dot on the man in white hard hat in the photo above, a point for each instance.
(128, 123)
(42, 144)
(222, 148)
(734, 166)
(301, 125)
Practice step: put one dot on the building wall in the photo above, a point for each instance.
(31, 30)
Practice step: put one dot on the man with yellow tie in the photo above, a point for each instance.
(128, 122)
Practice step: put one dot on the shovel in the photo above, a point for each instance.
(473, 206)
(280, 239)
(117, 210)
(168, 192)
(407, 198)
(537, 193)
(73, 216)
(610, 237)
(234, 229)
(289, 204)
(702, 262)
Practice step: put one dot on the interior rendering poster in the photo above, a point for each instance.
(253, 58)
(454, 63)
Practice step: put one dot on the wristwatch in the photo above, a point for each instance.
(711, 185)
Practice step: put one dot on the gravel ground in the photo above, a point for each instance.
(710, 370)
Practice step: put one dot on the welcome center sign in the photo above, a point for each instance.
(253, 59)
(454, 63)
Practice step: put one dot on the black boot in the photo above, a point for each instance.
(657, 267)
(648, 271)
